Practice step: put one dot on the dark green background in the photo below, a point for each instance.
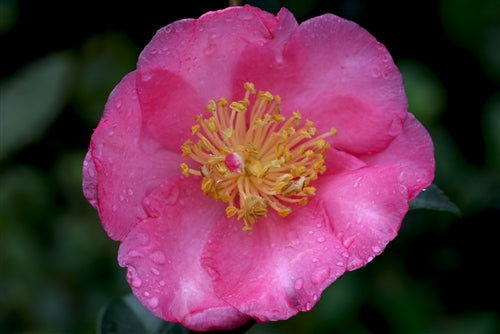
(61, 60)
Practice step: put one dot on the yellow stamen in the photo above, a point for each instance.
(253, 158)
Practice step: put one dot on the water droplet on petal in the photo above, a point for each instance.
(356, 183)
(308, 306)
(153, 302)
(320, 275)
(155, 271)
(158, 257)
(315, 259)
(348, 241)
(118, 103)
(114, 208)
(321, 239)
(315, 297)
(146, 294)
(377, 249)
(133, 278)
(146, 76)
(299, 283)
(134, 253)
(162, 283)
(130, 191)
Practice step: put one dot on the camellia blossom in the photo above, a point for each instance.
(249, 161)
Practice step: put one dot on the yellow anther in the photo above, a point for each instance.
(205, 144)
(284, 212)
(195, 128)
(207, 185)
(185, 169)
(222, 102)
(227, 133)
(310, 191)
(231, 210)
(265, 96)
(250, 87)
(212, 126)
(211, 106)
(237, 106)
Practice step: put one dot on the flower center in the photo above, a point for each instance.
(253, 158)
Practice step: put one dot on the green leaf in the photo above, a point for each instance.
(127, 316)
(32, 99)
(433, 198)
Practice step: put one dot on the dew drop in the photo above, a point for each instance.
(348, 241)
(340, 264)
(153, 302)
(162, 283)
(308, 306)
(356, 183)
(155, 271)
(130, 191)
(133, 278)
(315, 260)
(320, 275)
(134, 253)
(321, 239)
(315, 297)
(114, 208)
(122, 198)
(118, 103)
(146, 294)
(345, 254)
(376, 249)
(158, 257)
(375, 72)
(146, 76)
(299, 283)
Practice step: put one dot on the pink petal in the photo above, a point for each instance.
(278, 269)
(163, 258)
(365, 207)
(206, 50)
(337, 75)
(414, 148)
(123, 163)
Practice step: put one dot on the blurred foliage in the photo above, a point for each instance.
(58, 267)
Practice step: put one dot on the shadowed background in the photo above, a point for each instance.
(61, 60)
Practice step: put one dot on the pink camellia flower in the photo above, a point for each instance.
(249, 161)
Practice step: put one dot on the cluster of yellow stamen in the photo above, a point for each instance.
(254, 158)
